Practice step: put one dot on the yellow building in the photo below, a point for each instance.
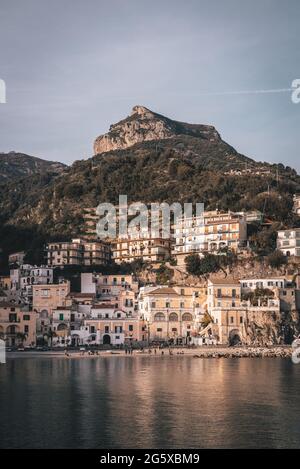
(171, 312)
(46, 298)
(227, 310)
(17, 326)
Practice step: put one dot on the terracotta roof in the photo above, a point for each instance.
(163, 291)
(224, 281)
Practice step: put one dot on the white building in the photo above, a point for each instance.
(209, 232)
(263, 283)
(288, 242)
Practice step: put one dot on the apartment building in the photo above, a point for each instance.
(209, 232)
(78, 252)
(17, 325)
(288, 242)
(148, 249)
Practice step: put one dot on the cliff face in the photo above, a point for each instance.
(144, 125)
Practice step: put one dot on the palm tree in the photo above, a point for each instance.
(21, 336)
(51, 335)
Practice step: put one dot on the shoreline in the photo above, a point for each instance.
(200, 352)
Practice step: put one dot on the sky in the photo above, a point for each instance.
(73, 67)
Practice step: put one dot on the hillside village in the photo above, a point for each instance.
(202, 286)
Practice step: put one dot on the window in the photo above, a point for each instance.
(234, 293)
(241, 319)
(159, 317)
(187, 317)
(26, 317)
(167, 304)
(159, 329)
(130, 327)
(106, 329)
(231, 319)
(26, 329)
(61, 317)
(173, 317)
(219, 293)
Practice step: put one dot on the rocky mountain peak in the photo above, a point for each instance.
(144, 125)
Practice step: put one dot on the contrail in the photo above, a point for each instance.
(274, 90)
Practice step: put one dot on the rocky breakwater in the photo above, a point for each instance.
(247, 352)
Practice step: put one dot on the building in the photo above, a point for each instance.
(65, 320)
(234, 317)
(226, 310)
(47, 298)
(282, 288)
(209, 232)
(170, 313)
(148, 249)
(269, 283)
(78, 252)
(110, 326)
(17, 325)
(288, 242)
(16, 258)
(118, 290)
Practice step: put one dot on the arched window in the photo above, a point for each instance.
(159, 317)
(187, 317)
(173, 317)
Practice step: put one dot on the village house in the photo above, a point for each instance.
(17, 325)
(288, 242)
(110, 326)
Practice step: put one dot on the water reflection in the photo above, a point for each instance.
(149, 402)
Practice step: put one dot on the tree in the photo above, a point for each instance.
(209, 263)
(276, 259)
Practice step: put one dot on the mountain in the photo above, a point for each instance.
(144, 125)
(150, 158)
(15, 165)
